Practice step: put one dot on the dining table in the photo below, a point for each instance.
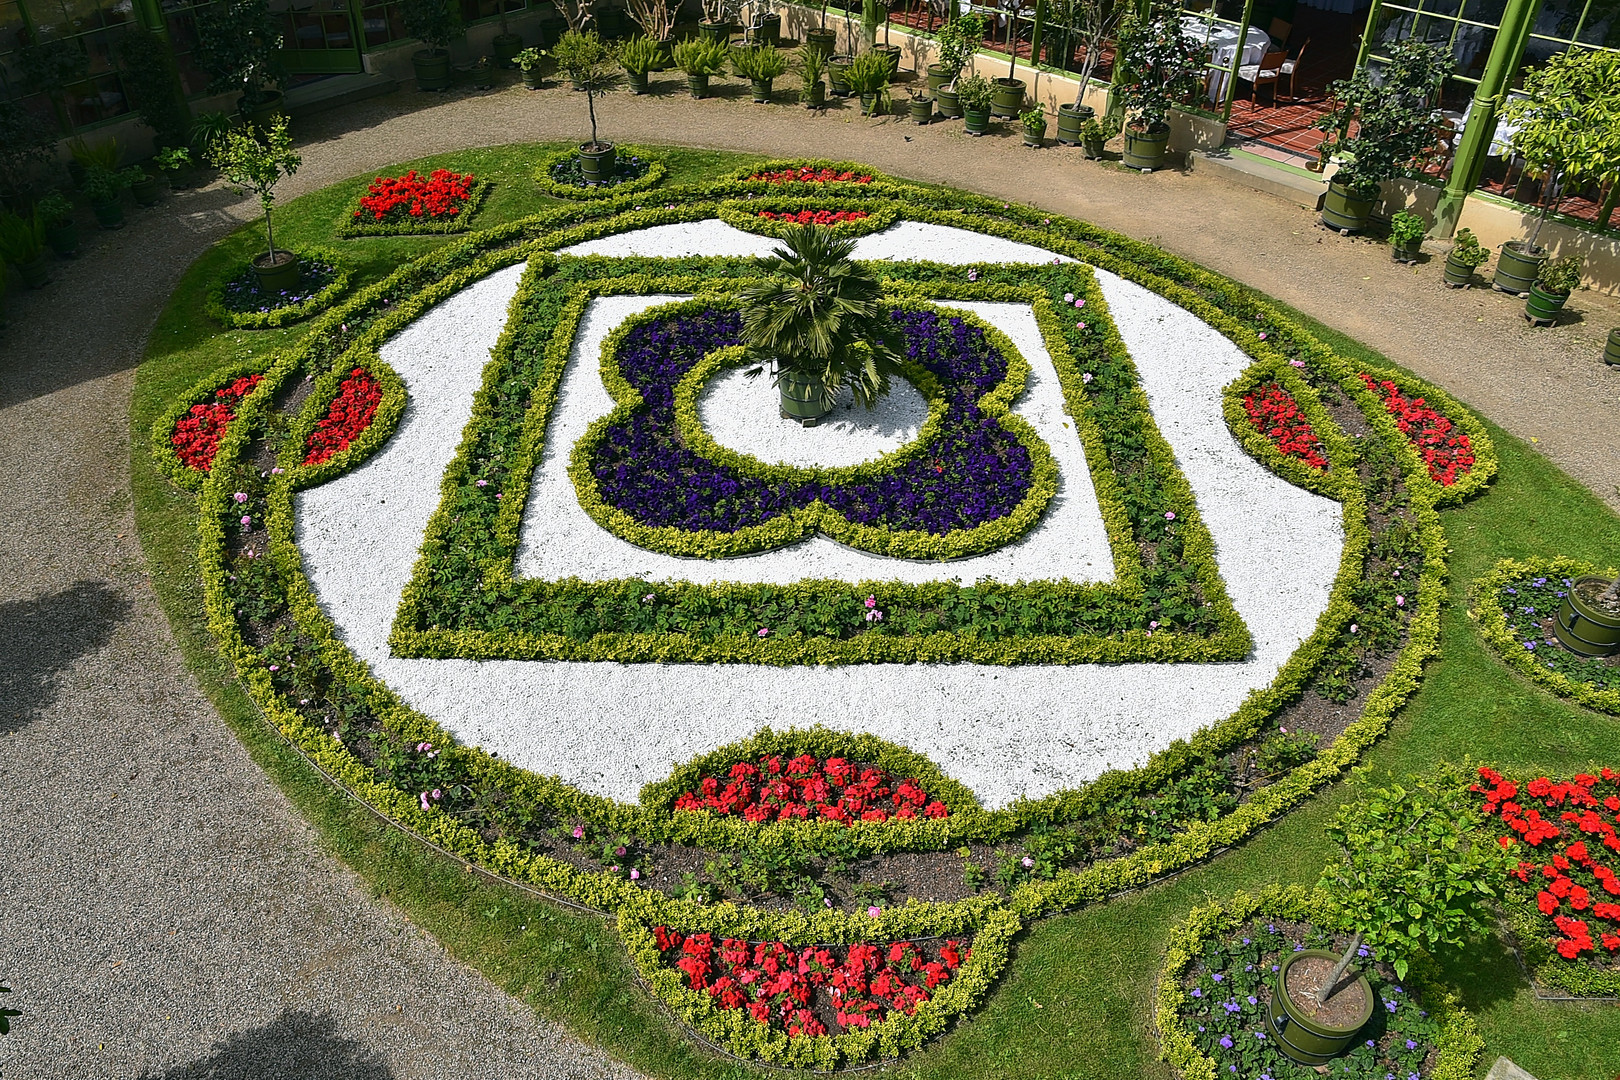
(1222, 41)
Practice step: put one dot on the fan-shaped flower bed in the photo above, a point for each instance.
(804, 787)
(1448, 452)
(443, 201)
(1275, 414)
(350, 414)
(238, 302)
(1565, 833)
(197, 433)
(559, 175)
(809, 175)
(815, 217)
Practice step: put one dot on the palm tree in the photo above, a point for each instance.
(820, 318)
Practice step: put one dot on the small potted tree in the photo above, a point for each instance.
(974, 93)
(256, 164)
(812, 65)
(821, 39)
(435, 24)
(1095, 131)
(1406, 232)
(1093, 22)
(1567, 129)
(105, 188)
(531, 63)
(869, 77)
(1034, 121)
(820, 319)
(61, 231)
(1416, 871)
(1161, 67)
(1467, 254)
(639, 56)
(760, 65)
(1007, 95)
(957, 40)
(239, 44)
(657, 21)
(505, 45)
(1554, 282)
(1588, 620)
(701, 58)
(592, 66)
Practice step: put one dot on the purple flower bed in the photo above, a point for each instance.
(242, 296)
(974, 470)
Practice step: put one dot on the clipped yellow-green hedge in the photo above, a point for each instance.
(1491, 620)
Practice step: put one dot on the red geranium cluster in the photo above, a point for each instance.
(396, 198)
(349, 415)
(1273, 411)
(1447, 452)
(812, 176)
(816, 217)
(197, 434)
(778, 985)
(803, 787)
(1572, 875)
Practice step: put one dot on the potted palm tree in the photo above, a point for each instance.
(1093, 22)
(759, 64)
(435, 24)
(1550, 291)
(819, 318)
(639, 56)
(255, 162)
(1467, 254)
(812, 66)
(1588, 620)
(701, 58)
(974, 93)
(592, 66)
(1567, 129)
(1406, 232)
(1160, 67)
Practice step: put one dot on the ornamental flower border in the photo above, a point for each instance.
(162, 450)
(1460, 1041)
(214, 303)
(744, 214)
(1339, 449)
(388, 306)
(348, 228)
(1490, 619)
(655, 174)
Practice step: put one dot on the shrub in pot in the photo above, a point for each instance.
(1567, 130)
(1467, 254)
(239, 44)
(592, 67)
(869, 76)
(105, 188)
(1588, 619)
(22, 244)
(505, 45)
(1092, 24)
(759, 64)
(821, 39)
(957, 42)
(639, 56)
(838, 74)
(701, 58)
(435, 24)
(812, 65)
(1007, 99)
(921, 109)
(1550, 291)
(820, 320)
(530, 62)
(975, 92)
(1160, 67)
(656, 19)
(256, 163)
(27, 144)
(61, 231)
(1406, 232)
(1034, 122)
(174, 162)
(1095, 131)
(1417, 872)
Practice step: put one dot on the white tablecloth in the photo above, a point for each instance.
(1504, 129)
(1222, 40)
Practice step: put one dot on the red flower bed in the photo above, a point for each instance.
(786, 988)
(1275, 413)
(1573, 876)
(816, 217)
(812, 176)
(350, 414)
(1447, 452)
(399, 198)
(197, 434)
(839, 790)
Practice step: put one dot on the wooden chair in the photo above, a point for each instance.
(1289, 67)
(1280, 29)
(1268, 70)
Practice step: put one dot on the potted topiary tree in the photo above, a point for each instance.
(974, 93)
(958, 41)
(1567, 129)
(592, 66)
(435, 24)
(1467, 254)
(821, 39)
(256, 163)
(760, 65)
(812, 64)
(820, 319)
(1395, 118)
(505, 45)
(1160, 67)
(1034, 121)
(639, 56)
(239, 44)
(701, 58)
(1406, 233)
(1093, 24)
(1416, 871)
(1550, 291)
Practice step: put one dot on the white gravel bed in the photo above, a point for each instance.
(1005, 732)
(741, 414)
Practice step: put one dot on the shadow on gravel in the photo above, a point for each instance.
(45, 635)
(295, 1044)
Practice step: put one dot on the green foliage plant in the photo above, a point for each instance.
(1034, 120)
(1395, 117)
(104, 185)
(55, 208)
(812, 67)
(958, 41)
(640, 54)
(1406, 228)
(103, 153)
(239, 44)
(592, 66)
(759, 62)
(153, 81)
(975, 93)
(435, 23)
(1099, 128)
(257, 164)
(26, 143)
(1159, 66)
(207, 128)
(22, 237)
(1467, 250)
(869, 75)
(1417, 873)
(701, 56)
(530, 58)
(1560, 276)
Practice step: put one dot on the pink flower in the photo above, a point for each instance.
(871, 601)
(579, 832)
(874, 911)
(1080, 303)
(1068, 298)
(1169, 515)
(240, 496)
(635, 875)
(1400, 601)
(480, 483)
(1262, 335)
(1297, 363)
(1086, 378)
(764, 631)
(247, 520)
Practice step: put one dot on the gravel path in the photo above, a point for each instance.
(164, 911)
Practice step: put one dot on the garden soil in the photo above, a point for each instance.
(165, 911)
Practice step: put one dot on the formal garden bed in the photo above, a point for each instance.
(440, 202)
(242, 302)
(1515, 606)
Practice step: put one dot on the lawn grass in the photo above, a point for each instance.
(1076, 999)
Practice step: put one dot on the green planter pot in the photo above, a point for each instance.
(109, 214)
(950, 106)
(596, 164)
(666, 55)
(1584, 629)
(892, 54)
(1298, 1036)
(1611, 351)
(506, 47)
(720, 32)
(803, 398)
(1517, 267)
(824, 42)
(838, 75)
(265, 112)
(1069, 120)
(1345, 212)
(1543, 306)
(761, 89)
(1146, 150)
(1035, 139)
(871, 104)
(36, 272)
(281, 276)
(1007, 101)
(534, 78)
(432, 68)
(1094, 148)
(770, 30)
(815, 96)
(976, 123)
(937, 77)
(63, 237)
(637, 83)
(1458, 274)
(145, 191)
(1406, 253)
(698, 85)
(922, 110)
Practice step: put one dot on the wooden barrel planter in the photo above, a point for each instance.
(1345, 212)
(1517, 268)
(1611, 352)
(1070, 118)
(1581, 627)
(1302, 1037)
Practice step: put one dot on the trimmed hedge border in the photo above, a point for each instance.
(1491, 620)
(656, 171)
(163, 453)
(426, 281)
(349, 228)
(1460, 1041)
(1547, 970)
(214, 304)
(744, 214)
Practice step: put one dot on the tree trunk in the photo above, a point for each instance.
(1328, 988)
(590, 106)
(1611, 595)
(270, 235)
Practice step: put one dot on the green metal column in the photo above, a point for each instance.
(1036, 32)
(1367, 33)
(1237, 55)
(1475, 144)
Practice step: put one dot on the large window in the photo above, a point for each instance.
(59, 57)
